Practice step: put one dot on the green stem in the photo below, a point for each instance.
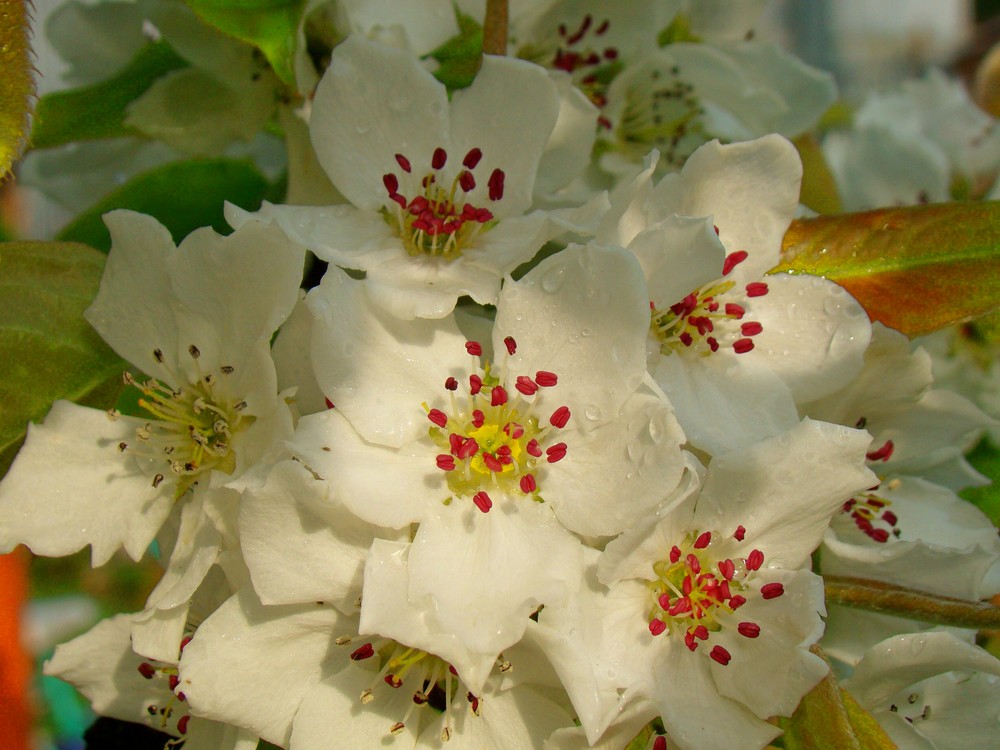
(885, 598)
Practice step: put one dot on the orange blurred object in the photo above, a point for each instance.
(15, 664)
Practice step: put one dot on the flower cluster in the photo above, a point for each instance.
(545, 456)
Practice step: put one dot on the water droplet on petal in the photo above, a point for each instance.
(553, 279)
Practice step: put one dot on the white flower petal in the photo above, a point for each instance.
(98, 496)
(678, 255)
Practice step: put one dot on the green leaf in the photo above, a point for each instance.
(819, 190)
(47, 350)
(459, 58)
(985, 458)
(182, 195)
(269, 25)
(915, 268)
(827, 717)
(98, 111)
(17, 84)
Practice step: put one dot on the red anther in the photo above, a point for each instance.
(528, 484)
(483, 215)
(727, 568)
(689, 641)
(467, 181)
(713, 343)
(147, 670)
(503, 453)
(474, 348)
(701, 633)
(713, 306)
(735, 311)
(482, 501)
(419, 698)
(455, 441)
(879, 535)
(679, 607)
(513, 430)
(475, 384)
(446, 462)
(392, 680)
(703, 540)
(498, 396)
(686, 338)
(687, 585)
(173, 681)
(526, 385)
(363, 652)
(739, 533)
(694, 564)
(890, 518)
(472, 158)
(510, 344)
(419, 205)
(391, 183)
(587, 20)
(453, 670)
(748, 629)
(771, 590)
(492, 462)
(610, 53)
(719, 654)
(560, 417)
(496, 184)
(664, 601)
(181, 696)
(874, 501)
(546, 379)
(533, 448)
(438, 417)
(474, 701)
(187, 639)
(755, 559)
(660, 743)
(657, 626)
(451, 384)
(751, 328)
(555, 452)
(675, 553)
(182, 723)
(403, 162)
(439, 158)
(604, 122)
(478, 418)
(469, 448)
(426, 181)
(756, 289)
(737, 601)
(742, 346)
(733, 260)
(882, 454)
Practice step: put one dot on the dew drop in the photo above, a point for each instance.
(593, 413)
(553, 279)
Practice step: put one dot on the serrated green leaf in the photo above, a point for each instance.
(827, 717)
(47, 350)
(459, 58)
(985, 458)
(916, 268)
(182, 195)
(98, 111)
(269, 25)
(17, 84)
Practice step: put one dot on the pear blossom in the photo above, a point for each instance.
(197, 319)
(930, 691)
(123, 685)
(733, 349)
(437, 188)
(923, 142)
(498, 462)
(712, 587)
(303, 677)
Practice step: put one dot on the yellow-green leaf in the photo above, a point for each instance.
(47, 350)
(819, 190)
(827, 717)
(269, 25)
(17, 85)
(915, 268)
